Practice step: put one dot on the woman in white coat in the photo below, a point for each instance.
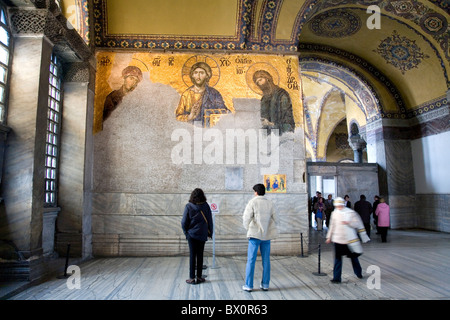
(345, 226)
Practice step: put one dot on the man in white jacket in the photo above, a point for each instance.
(259, 220)
(345, 226)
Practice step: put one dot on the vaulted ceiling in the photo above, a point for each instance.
(399, 48)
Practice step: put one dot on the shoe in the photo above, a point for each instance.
(245, 288)
(335, 281)
(200, 279)
(191, 281)
(263, 288)
(360, 276)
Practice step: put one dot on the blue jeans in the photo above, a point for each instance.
(253, 246)
(341, 250)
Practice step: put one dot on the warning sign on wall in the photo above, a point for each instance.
(214, 208)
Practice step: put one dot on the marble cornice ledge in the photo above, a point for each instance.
(430, 115)
(50, 214)
(4, 130)
(53, 25)
(77, 72)
(430, 123)
(33, 3)
(50, 210)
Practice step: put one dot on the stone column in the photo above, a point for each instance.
(48, 230)
(390, 139)
(4, 130)
(74, 222)
(358, 145)
(25, 155)
(38, 31)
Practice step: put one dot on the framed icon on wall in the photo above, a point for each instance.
(275, 183)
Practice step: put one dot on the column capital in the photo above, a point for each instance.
(356, 142)
(28, 21)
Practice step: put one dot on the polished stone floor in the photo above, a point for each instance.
(412, 265)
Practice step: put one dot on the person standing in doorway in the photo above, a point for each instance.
(364, 209)
(314, 200)
(383, 213)
(260, 221)
(328, 209)
(319, 209)
(346, 230)
(197, 226)
(376, 201)
(347, 201)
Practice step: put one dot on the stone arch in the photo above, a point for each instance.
(362, 105)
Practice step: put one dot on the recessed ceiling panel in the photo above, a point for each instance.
(172, 17)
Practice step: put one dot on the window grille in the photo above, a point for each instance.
(53, 133)
(5, 57)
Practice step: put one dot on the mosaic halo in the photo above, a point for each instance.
(185, 72)
(261, 66)
(335, 24)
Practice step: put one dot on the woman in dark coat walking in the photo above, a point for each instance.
(197, 226)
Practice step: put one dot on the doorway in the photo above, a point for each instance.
(325, 184)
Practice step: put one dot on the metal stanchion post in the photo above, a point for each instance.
(64, 276)
(214, 242)
(302, 255)
(318, 273)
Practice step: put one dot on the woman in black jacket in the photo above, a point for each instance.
(197, 226)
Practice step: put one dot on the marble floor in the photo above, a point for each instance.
(412, 265)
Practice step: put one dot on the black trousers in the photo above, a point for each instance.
(383, 231)
(367, 227)
(327, 217)
(196, 248)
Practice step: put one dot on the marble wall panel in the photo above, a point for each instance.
(135, 245)
(160, 204)
(132, 245)
(403, 211)
(64, 239)
(356, 181)
(112, 224)
(226, 225)
(157, 229)
(158, 225)
(400, 171)
(232, 203)
(445, 213)
(432, 211)
(112, 203)
(105, 245)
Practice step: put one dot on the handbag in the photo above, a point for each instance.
(209, 232)
(319, 214)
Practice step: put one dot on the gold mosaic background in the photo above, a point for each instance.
(232, 75)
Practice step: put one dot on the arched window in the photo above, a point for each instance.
(53, 133)
(5, 57)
